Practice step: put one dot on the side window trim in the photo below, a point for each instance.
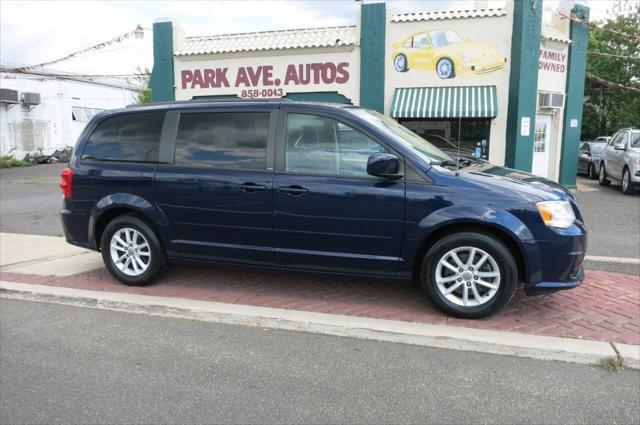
(281, 136)
(168, 138)
(172, 134)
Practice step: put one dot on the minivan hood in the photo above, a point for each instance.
(506, 179)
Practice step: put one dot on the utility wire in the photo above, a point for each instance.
(612, 55)
(611, 83)
(594, 25)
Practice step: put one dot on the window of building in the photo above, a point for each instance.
(131, 137)
(472, 135)
(223, 140)
(321, 145)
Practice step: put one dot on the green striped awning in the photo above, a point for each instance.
(445, 102)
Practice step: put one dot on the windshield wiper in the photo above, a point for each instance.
(462, 162)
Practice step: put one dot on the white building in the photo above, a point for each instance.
(40, 113)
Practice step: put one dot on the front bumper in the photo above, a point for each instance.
(556, 263)
(542, 288)
(476, 68)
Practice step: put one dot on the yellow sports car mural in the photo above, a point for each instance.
(445, 52)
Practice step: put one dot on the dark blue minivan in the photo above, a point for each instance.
(314, 187)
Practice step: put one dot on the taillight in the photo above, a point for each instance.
(67, 182)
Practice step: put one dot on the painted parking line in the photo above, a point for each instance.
(622, 260)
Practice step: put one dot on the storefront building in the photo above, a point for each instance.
(502, 84)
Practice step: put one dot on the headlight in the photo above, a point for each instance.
(636, 161)
(466, 56)
(556, 213)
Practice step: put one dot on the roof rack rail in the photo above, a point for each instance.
(225, 100)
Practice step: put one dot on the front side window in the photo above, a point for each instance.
(420, 41)
(133, 137)
(444, 38)
(223, 140)
(635, 139)
(324, 146)
(402, 135)
(622, 141)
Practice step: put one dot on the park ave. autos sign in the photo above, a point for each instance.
(261, 79)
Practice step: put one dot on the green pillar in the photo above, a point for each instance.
(373, 21)
(523, 82)
(579, 34)
(162, 82)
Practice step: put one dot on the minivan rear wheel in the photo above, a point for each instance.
(469, 275)
(131, 251)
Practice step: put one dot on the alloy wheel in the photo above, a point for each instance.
(468, 276)
(445, 68)
(130, 251)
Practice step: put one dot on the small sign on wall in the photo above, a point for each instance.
(573, 123)
(525, 126)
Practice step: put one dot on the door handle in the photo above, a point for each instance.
(252, 187)
(294, 190)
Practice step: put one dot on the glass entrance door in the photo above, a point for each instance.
(541, 146)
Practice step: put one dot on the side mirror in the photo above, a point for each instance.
(620, 147)
(384, 165)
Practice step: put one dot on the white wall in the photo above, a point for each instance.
(49, 126)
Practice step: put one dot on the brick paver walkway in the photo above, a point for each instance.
(605, 308)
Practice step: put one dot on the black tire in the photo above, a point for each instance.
(450, 71)
(602, 177)
(157, 262)
(627, 186)
(591, 171)
(496, 249)
(400, 63)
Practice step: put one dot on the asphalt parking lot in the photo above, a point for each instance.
(30, 201)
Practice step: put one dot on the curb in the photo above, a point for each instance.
(438, 336)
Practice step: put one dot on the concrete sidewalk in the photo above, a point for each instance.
(584, 324)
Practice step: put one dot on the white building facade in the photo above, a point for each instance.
(29, 125)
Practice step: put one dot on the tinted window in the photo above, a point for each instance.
(320, 145)
(129, 137)
(623, 140)
(230, 140)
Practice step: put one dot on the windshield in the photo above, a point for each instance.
(442, 38)
(404, 136)
(597, 147)
(635, 140)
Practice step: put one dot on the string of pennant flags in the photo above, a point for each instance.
(133, 33)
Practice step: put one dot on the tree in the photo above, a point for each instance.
(142, 78)
(613, 56)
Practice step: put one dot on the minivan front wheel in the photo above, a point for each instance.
(469, 275)
(131, 251)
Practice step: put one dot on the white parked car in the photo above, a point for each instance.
(620, 160)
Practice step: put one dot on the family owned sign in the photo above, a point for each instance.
(265, 80)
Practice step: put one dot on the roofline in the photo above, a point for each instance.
(267, 32)
(70, 77)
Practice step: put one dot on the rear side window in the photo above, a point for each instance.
(224, 140)
(133, 137)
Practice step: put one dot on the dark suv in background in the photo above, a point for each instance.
(314, 187)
